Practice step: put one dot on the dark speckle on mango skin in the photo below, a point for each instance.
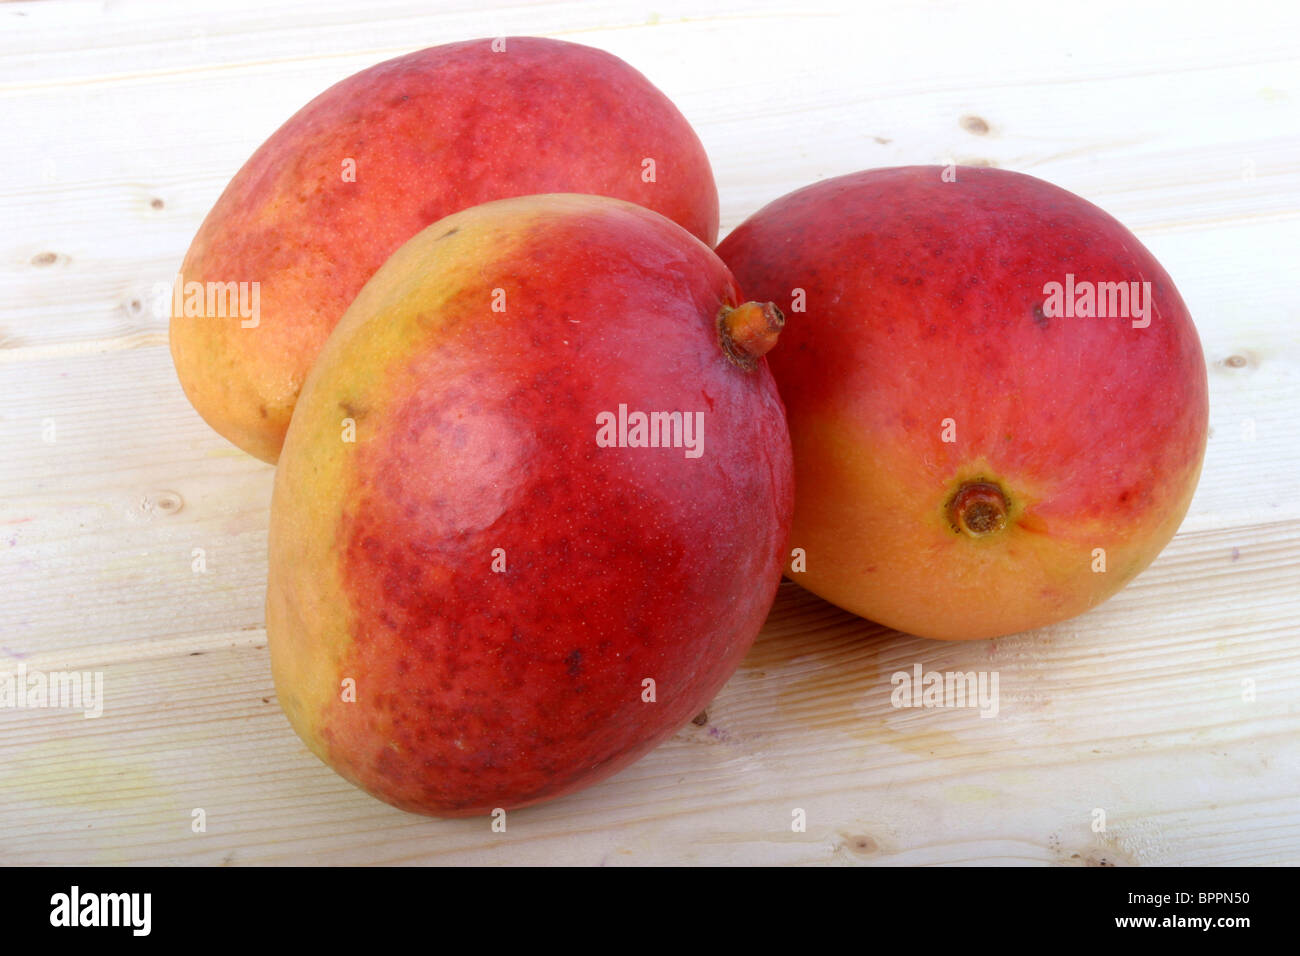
(502, 689)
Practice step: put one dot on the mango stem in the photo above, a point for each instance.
(749, 331)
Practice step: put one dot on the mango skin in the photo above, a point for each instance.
(475, 430)
(430, 133)
(921, 299)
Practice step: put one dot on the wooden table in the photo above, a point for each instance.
(1173, 710)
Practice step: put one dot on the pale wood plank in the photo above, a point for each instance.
(1094, 713)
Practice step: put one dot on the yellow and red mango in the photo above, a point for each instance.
(988, 435)
(473, 535)
(376, 158)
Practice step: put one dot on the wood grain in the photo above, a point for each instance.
(125, 120)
